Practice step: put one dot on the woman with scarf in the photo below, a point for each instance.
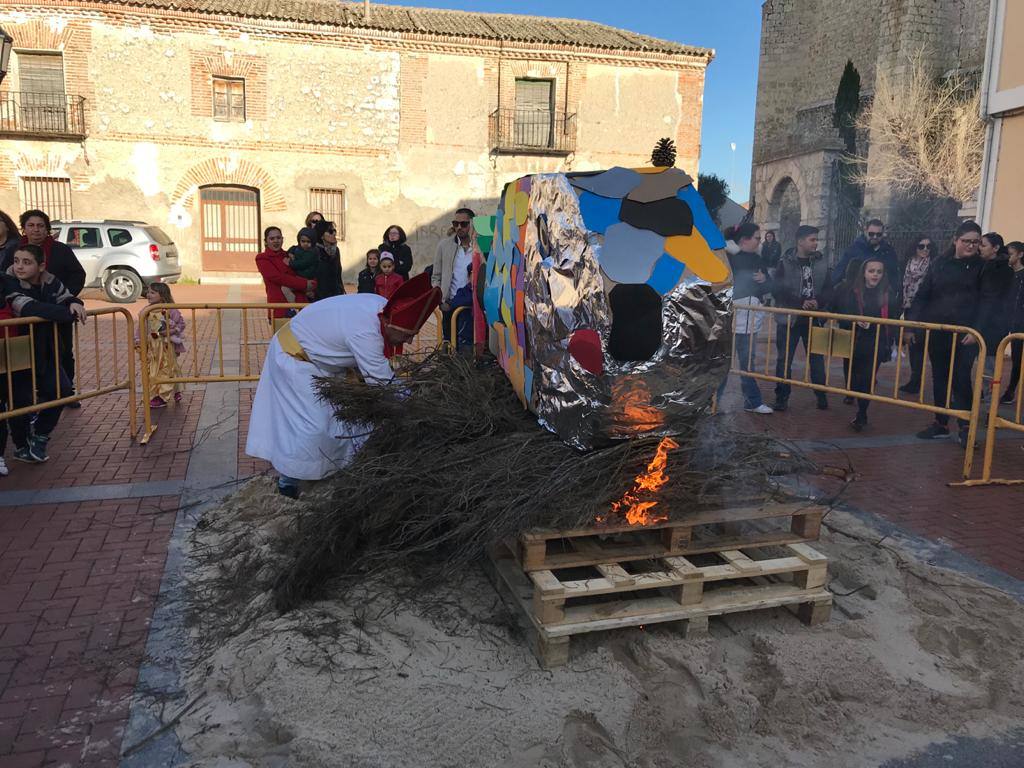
(915, 266)
(867, 296)
(328, 267)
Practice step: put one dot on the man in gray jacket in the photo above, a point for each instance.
(452, 262)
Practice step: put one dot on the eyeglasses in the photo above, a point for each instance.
(874, 235)
(460, 224)
(973, 243)
(923, 246)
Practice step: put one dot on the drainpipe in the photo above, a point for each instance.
(366, 10)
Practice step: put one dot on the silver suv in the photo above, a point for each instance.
(121, 257)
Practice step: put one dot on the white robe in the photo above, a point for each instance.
(290, 426)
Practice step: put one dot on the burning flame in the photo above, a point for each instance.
(630, 506)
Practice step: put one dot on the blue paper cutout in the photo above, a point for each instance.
(598, 212)
(701, 218)
(666, 274)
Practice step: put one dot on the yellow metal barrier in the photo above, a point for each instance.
(218, 371)
(18, 357)
(995, 421)
(453, 336)
(832, 342)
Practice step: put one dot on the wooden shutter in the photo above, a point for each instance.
(229, 99)
(534, 118)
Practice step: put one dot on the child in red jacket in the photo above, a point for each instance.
(387, 282)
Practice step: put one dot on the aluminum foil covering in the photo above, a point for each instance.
(562, 335)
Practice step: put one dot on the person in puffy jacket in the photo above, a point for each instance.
(388, 281)
(367, 276)
(328, 265)
(950, 294)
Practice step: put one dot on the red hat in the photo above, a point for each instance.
(411, 305)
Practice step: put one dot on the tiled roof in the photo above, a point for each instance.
(432, 21)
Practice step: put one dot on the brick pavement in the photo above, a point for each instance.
(79, 579)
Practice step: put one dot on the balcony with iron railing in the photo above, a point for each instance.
(26, 114)
(537, 132)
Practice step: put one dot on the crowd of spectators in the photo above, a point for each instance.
(976, 281)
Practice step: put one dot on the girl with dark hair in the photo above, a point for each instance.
(950, 294)
(394, 242)
(367, 277)
(920, 255)
(996, 280)
(1015, 316)
(9, 239)
(868, 295)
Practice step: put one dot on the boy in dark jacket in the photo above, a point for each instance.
(950, 294)
(801, 281)
(31, 291)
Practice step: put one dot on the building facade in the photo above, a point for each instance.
(216, 118)
(1002, 187)
(805, 46)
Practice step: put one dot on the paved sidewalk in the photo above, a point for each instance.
(90, 542)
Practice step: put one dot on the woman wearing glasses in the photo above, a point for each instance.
(921, 255)
(328, 274)
(394, 242)
(950, 294)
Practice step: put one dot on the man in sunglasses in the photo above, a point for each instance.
(452, 262)
(872, 243)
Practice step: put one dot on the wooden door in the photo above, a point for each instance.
(230, 224)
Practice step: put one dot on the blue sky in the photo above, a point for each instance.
(731, 27)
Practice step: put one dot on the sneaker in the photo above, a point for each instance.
(1008, 397)
(74, 404)
(290, 491)
(4, 471)
(37, 447)
(848, 400)
(911, 387)
(822, 404)
(157, 402)
(934, 432)
(780, 405)
(23, 454)
(857, 425)
(764, 410)
(177, 397)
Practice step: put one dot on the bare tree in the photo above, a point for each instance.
(927, 135)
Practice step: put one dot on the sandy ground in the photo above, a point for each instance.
(913, 655)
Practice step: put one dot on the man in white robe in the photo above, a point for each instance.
(290, 426)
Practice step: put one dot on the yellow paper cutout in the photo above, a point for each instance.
(694, 252)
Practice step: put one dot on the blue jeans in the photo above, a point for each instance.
(747, 357)
(284, 481)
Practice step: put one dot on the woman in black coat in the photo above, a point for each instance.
(868, 295)
(394, 243)
(328, 273)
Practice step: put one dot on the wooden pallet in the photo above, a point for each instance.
(557, 604)
(703, 531)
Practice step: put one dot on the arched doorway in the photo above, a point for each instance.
(229, 223)
(786, 206)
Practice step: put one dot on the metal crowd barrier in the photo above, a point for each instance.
(995, 420)
(102, 372)
(831, 342)
(216, 369)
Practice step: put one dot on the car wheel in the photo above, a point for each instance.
(122, 286)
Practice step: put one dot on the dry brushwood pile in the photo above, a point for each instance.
(452, 464)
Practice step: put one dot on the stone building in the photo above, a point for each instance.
(805, 45)
(216, 118)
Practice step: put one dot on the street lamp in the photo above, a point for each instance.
(6, 43)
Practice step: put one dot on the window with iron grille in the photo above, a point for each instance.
(48, 194)
(331, 203)
(535, 113)
(229, 99)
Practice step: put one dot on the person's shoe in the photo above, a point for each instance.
(177, 397)
(76, 404)
(290, 491)
(23, 454)
(4, 471)
(933, 432)
(37, 447)
(764, 410)
(822, 404)
(858, 425)
(1008, 397)
(780, 405)
(961, 438)
(848, 400)
(157, 402)
(911, 387)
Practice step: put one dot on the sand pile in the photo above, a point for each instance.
(913, 654)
